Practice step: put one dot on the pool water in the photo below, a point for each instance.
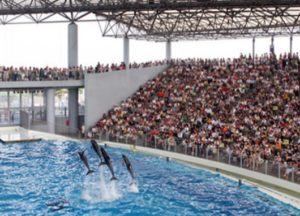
(32, 174)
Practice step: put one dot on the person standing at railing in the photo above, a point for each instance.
(12, 117)
(94, 132)
(82, 131)
(42, 74)
(171, 142)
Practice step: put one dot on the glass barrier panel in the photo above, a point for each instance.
(122, 138)
(3, 117)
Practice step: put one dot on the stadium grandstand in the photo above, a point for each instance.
(248, 109)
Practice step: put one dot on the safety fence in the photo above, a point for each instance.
(8, 75)
(217, 153)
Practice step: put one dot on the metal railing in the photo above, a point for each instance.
(217, 154)
(60, 129)
(59, 76)
(7, 76)
(38, 123)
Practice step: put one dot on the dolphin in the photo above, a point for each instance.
(57, 202)
(108, 163)
(85, 161)
(96, 149)
(129, 168)
(61, 206)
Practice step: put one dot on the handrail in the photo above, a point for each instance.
(218, 154)
(60, 129)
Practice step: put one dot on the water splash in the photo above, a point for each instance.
(134, 188)
(99, 190)
(104, 192)
(114, 191)
(86, 193)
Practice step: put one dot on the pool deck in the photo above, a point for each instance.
(287, 192)
(18, 133)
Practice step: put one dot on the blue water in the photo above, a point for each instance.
(32, 174)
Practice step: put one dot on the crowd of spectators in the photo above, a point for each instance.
(47, 73)
(247, 108)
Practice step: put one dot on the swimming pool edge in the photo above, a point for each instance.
(290, 193)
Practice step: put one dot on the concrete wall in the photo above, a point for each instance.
(213, 164)
(24, 119)
(60, 125)
(104, 90)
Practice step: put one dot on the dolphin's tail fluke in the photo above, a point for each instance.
(89, 172)
(114, 178)
(101, 163)
(132, 183)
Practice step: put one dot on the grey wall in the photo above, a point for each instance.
(60, 125)
(24, 119)
(104, 90)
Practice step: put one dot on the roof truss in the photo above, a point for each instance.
(164, 20)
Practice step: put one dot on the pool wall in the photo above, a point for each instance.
(216, 166)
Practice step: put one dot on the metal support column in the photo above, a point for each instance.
(272, 50)
(291, 44)
(126, 51)
(73, 110)
(272, 40)
(253, 48)
(8, 108)
(168, 50)
(51, 110)
(32, 105)
(72, 45)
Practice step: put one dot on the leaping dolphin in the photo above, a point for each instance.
(96, 149)
(85, 161)
(129, 168)
(108, 163)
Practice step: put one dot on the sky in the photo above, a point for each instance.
(41, 45)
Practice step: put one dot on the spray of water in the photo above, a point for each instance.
(99, 190)
(134, 188)
(104, 192)
(114, 191)
(92, 189)
(86, 190)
